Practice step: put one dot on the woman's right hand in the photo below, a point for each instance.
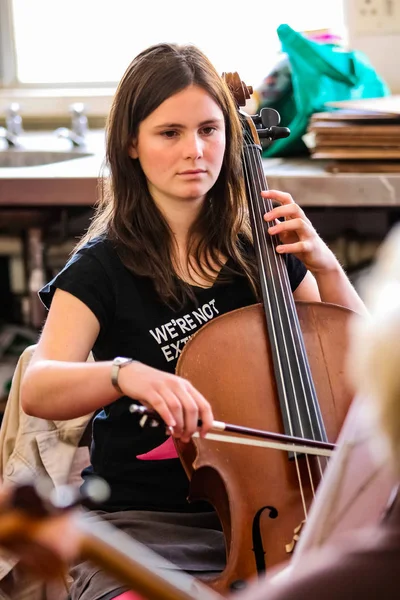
(174, 398)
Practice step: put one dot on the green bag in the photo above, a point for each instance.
(320, 73)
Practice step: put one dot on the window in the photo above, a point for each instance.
(54, 53)
(89, 43)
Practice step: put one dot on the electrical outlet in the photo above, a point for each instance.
(376, 17)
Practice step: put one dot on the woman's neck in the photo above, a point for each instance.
(180, 217)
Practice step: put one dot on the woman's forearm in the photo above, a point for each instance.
(334, 286)
(61, 390)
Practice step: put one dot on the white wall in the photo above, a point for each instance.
(373, 27)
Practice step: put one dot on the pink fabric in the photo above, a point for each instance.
(129, 596)
(163, 452)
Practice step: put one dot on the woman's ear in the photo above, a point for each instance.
(133, 153)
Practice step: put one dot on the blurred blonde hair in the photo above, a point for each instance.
(374, 354)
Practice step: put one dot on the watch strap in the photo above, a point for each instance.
(118, 363)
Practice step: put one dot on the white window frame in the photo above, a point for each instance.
(40, 101)
(8, 66)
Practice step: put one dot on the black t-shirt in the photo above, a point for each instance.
(134, 322)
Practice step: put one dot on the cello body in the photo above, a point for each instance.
(256, 491)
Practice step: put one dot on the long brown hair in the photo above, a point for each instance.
(127, 214)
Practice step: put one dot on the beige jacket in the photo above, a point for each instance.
(33, 448)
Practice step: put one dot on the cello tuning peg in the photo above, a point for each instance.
(274, 133)
(269, 117)
(256, 119)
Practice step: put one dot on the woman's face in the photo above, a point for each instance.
(181, 146)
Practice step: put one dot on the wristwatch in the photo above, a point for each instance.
(118, 363)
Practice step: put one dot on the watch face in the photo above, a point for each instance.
(120, 360)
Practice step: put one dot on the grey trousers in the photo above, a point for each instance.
(192, 542)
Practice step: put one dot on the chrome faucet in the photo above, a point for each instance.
(79, 126)
(13, 129)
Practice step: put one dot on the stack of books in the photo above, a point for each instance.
(362, 135)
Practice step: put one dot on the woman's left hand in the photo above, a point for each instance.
(296, 233)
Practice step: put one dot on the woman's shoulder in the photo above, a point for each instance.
(89, 276)
(99, 246)
(98, 250)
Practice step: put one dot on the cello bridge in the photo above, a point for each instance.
(296, 536)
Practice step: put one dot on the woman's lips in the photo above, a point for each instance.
(193, 172)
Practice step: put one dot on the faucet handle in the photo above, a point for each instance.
(79, 119)
(77, 108)
(79, 126)
(13, 119)
(13, 109)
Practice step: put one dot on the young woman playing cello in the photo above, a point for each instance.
(169, 248)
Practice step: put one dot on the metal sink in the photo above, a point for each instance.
(35, 158)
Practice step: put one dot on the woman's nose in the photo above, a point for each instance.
(194, 147)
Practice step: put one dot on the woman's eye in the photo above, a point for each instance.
(208, 130)
(169, 134)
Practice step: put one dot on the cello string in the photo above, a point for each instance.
(257, 241)
(290, 308)
(302, 350)
(289, 300)
(278, 317)
(257, 218)
(311, 396)
(278, 259)
(296, 325)
(288, 303)
(283, 278)
(273, 323)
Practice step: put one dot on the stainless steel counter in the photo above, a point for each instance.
(74, 182)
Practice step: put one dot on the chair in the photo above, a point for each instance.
(32, 448)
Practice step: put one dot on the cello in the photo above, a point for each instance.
(276, 366)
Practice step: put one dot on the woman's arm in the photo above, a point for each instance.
(59, 384)
(332, 287)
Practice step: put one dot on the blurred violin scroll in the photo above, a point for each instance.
(48, 532)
